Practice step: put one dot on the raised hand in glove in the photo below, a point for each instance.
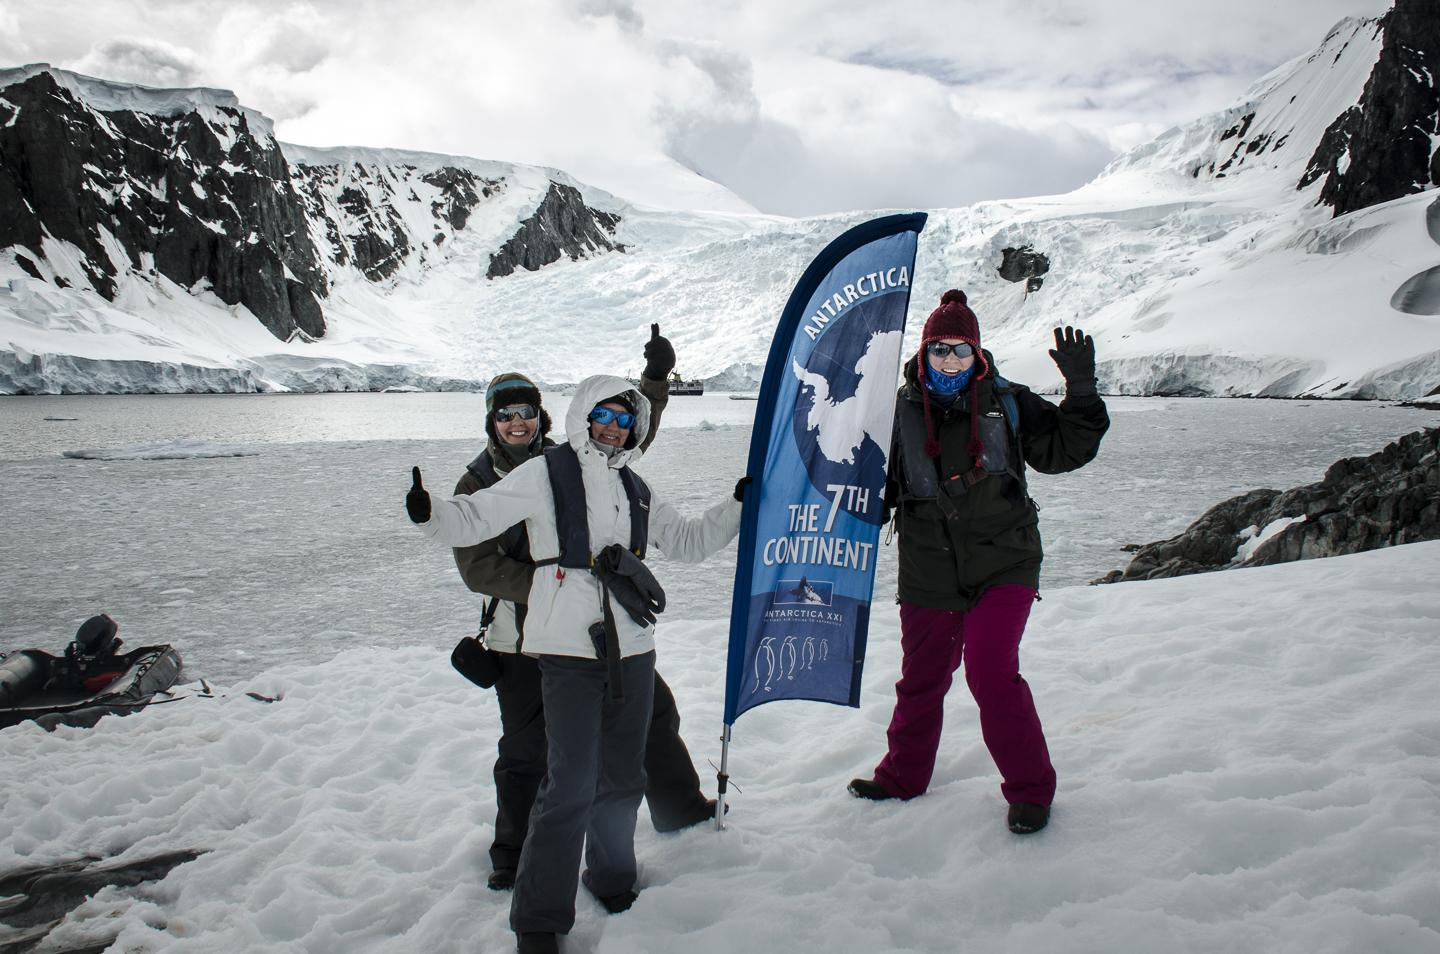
(740, 486)
(417, 501)
(1074, 355)
(659, 356)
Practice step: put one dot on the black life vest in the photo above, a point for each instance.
(571, 522)
(999, 430)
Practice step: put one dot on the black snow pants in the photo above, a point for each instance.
(672, 788)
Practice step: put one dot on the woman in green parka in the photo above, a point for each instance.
(970, 549)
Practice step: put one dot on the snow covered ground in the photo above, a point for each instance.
(1247, 761)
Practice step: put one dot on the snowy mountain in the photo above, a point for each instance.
(1288, 245)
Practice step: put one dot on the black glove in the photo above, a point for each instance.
(659, 356)
(630, 582)
(740, 486)
(1074, 355)
(417, 501)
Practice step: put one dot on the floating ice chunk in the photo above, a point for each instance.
(179, 449)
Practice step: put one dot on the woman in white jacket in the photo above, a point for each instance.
(595, 773)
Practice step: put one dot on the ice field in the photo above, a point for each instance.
(1247, 760)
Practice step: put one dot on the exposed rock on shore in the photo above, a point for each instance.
(1363, 503)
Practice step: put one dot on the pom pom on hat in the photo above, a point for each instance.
(932, 447)
(953, 319)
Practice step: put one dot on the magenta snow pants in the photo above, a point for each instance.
(988, 639)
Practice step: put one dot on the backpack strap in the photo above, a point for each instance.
(1006, 392)
(639, 495)
(572, 524)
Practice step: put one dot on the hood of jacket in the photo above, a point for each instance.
(591, 392)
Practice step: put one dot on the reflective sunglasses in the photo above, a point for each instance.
(526, 412)
(603, 415)
(939, 349)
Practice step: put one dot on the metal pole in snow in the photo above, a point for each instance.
(723, 778)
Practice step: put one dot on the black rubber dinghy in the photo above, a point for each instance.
(91, 680)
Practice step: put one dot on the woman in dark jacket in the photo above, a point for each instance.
(970, 548)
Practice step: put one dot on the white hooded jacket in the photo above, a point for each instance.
(564, 603)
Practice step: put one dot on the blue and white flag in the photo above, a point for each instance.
(806, 569)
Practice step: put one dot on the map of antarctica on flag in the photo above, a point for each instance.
(846, 405)
(812, 549)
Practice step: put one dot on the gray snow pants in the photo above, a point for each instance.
(594, 781)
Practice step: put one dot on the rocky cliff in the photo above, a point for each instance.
(1363, 503)
(197, 191)
(562, 225)
(376, 216)
(102, 183)
(1384, 147)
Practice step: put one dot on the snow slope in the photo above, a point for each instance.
(1194, 259)
(1246, 762)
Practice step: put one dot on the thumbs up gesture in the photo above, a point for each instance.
(659, 356)
(417, 501)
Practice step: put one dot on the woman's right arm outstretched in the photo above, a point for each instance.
(470, 519)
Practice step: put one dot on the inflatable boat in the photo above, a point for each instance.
(92, 679)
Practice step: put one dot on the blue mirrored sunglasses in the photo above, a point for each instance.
(526, 412)
(940, 349)
(603, 415)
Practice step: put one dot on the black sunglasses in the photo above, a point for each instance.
(939, 349)
(526, 412)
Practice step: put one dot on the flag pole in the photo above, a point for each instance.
(723, 778)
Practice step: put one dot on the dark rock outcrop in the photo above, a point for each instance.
(562, 225)
(1363, 503)
(1387, 136)
(358, 215)
(197, 196)
(1024, 264)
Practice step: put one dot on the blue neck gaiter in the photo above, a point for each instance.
(947, 385)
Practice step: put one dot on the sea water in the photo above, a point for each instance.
(303, 549)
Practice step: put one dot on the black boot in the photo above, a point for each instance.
(702, 813)
(1026, 817)
(537, 943)
(501, 879)
(614, 903)
(867, 788)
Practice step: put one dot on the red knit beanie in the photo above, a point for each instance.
(954, 319)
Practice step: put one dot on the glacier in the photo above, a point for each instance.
(1194, 260)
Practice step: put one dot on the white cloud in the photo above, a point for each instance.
(145, 60)
(802, 106)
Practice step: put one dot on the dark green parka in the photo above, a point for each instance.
(993, 537)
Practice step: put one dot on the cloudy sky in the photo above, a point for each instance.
(798, 106)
